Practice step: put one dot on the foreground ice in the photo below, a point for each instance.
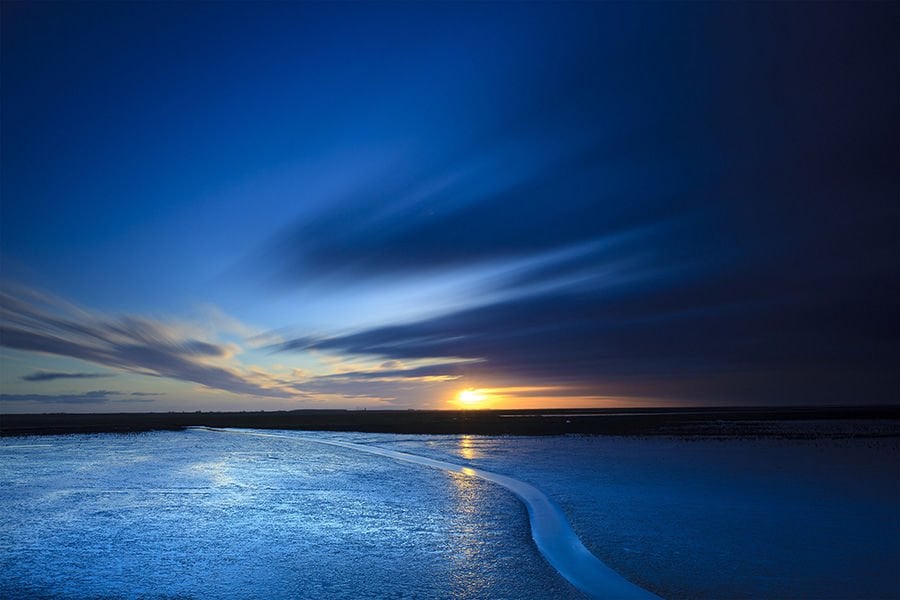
(707, 518)
(550, 529)
(197, 515)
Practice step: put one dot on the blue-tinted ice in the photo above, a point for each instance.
(194, 514)
(203, 515)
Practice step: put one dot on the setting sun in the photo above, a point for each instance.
(471, 398)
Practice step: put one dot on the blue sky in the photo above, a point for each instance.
(226, 205)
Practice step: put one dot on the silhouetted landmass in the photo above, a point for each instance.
(683, 422)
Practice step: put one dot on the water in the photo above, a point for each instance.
(199, 514)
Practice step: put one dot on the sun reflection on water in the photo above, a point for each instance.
(470, 534)
(468, 537)
(467, 448)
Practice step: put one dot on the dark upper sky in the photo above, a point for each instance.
(295, 205)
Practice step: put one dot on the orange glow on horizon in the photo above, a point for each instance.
(536, 397)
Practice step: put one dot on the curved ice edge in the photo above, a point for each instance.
(550, 530)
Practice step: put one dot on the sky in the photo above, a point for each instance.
(247, 206)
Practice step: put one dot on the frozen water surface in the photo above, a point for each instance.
(201, 514)
(204, 515)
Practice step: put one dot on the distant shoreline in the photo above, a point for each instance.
(790, 422)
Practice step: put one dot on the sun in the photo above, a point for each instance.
(471, 398)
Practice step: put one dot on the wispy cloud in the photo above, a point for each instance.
(431, 372)
(37, 322)
(51, 375)
(94, 397)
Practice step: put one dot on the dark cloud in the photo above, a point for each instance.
(131, 399)
(51, 375)
(33, 322)
(201, 348)
(94, 397)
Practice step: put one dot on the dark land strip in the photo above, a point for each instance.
(793, 422)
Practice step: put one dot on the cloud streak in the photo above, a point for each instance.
(94, 397)
(36, 322)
